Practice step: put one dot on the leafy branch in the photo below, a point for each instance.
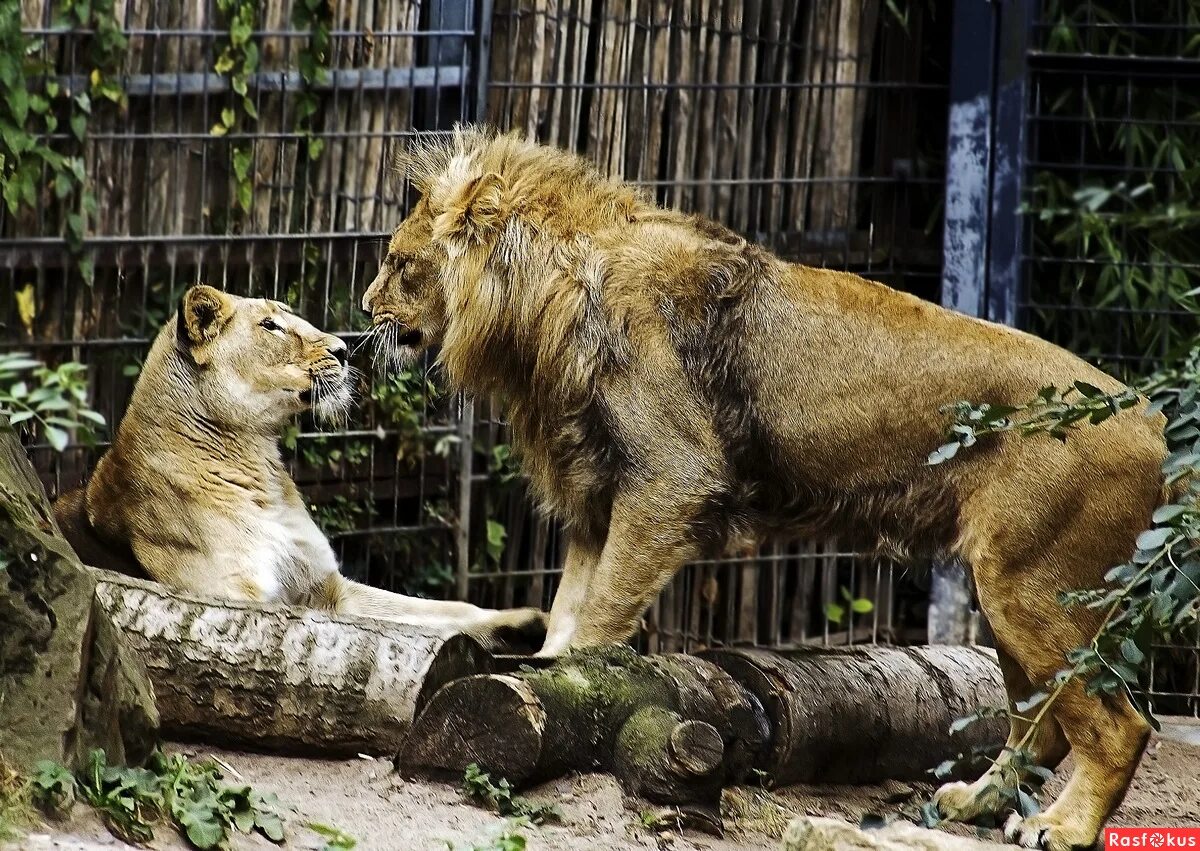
(52, 401)
(312, 61)
(34, 161)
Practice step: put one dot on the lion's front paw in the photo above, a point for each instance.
(960, 801)
(517, 631)
(1048, 832)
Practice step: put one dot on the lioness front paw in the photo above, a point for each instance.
(517, 631)
(1046, 831)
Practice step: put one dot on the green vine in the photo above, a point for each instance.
(36, 165)
(312, 60)
(238, 59)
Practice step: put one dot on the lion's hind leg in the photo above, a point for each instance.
(1046, 747)
(1026, 545)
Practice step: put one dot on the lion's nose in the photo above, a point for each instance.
(339, 351)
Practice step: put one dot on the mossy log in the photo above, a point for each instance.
(674, 729)
(278, 678)
(864, 714)
(66, 683)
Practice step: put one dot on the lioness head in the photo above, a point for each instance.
(255, 363)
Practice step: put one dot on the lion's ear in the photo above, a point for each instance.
(474, 212)
(203, 312)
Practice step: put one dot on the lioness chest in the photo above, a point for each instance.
(284, 548)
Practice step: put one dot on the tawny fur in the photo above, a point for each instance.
(672, 388)
(194, 489)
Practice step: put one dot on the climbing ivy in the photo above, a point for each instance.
(237, 61)
(38, 165)
(312, 61)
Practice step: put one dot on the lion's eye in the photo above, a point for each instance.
(272, 326)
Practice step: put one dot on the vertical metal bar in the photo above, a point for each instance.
(462, 533)
(1008, 158)
(965, 241)
(968, 158)
(483, 59)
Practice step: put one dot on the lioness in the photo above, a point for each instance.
(194, 487)
(673, 387)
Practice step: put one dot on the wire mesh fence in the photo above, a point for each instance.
(246, 145)
(1113, 250)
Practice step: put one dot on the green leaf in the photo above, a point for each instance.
(1152, 539)
(1132, 653)
(834, 612)
(57, 438)
(17, 99)
(942, 453)
(79, 125)
(228, 117)
(862, 606)
(1167, 513)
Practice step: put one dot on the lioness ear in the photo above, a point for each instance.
(203, 312)
(474, 212)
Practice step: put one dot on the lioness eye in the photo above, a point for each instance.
(272, 326)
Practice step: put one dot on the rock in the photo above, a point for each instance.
(66, 684)
(809, 833)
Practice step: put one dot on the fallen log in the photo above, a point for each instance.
(675, 728)
(278, 678)
(864, 714)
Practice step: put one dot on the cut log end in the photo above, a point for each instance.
(493, 720)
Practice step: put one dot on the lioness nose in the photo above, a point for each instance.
(338, 349)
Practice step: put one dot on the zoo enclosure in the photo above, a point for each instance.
(818, 128)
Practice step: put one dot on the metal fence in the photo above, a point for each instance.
(818, 128)
(814, 127)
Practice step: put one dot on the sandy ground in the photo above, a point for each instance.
(387, 813)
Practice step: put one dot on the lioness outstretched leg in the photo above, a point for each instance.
(493, 628)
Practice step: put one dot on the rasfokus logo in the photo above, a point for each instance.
(1151, 837)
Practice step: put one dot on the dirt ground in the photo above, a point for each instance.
(387, 813)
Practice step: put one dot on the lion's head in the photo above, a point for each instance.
(255, 363)
(498, 219)
(406, 299)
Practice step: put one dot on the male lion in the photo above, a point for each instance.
(195, 491)
(672, 388)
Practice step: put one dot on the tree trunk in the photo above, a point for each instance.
(66, 684)
(279, 678)
(674, 729)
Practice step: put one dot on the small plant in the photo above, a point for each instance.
(499, 797)
(51, 401)
(336, 839)
(131, 801)
(836, 612)
(508, 839)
